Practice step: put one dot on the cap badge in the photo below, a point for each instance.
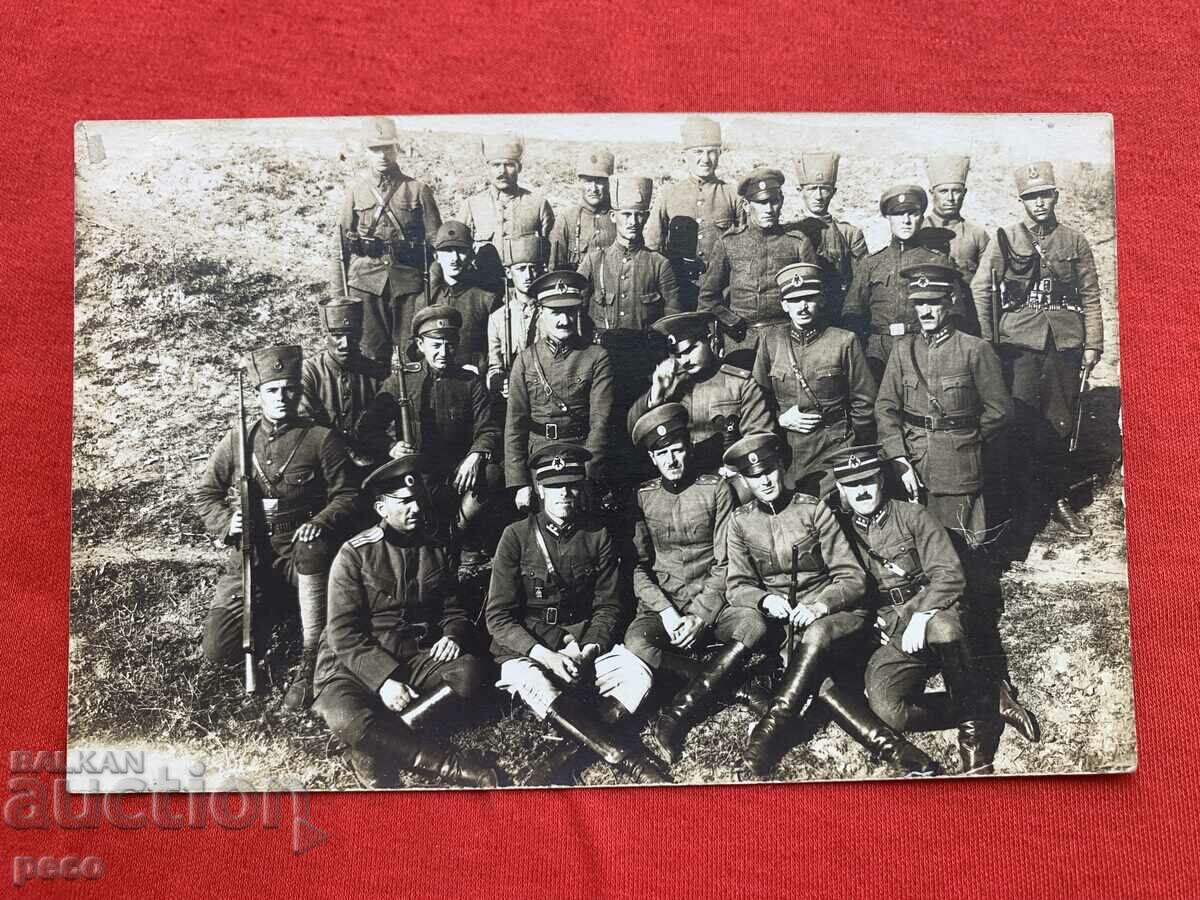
(558, 464)
(903, 198)
(443, 323)
(820, 174)
(921, 282)
(762, 185)
(1034, 173)
(278, 364)
(753, 458)
(661, 429)
(409, 480)
(797, 280)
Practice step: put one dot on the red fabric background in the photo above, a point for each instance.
(1117, 836)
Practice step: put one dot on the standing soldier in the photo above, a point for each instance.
(816, 379)
(1047, 324)
(739, 286)
(723, 402)
(503, 210)
(629, 289)
(453, 426)
(789, 559)
(947, 190)
(688, 216)
(679, 578)
(460, 289)
(941, 398)
(339, 383)
(587, 227)
(399, 648)
(917, 582)
(524, 263)
(552, 611)
(305, 488)
(876, 307)
(560, 388)
(381, 255)
(839, 245)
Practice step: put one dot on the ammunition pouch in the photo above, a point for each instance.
(282, 520)
(399, 252)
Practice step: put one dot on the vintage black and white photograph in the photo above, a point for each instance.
(598, 450)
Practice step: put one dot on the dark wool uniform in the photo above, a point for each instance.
(761, 536)
(385, 270)
(579, 231)
(679, 533)
(911, 540)
(739, 287)
(840, 247)
(686, 218)
(833, 380)
(723, 407)
(335, 395)
(495, 217)
(392, 596)
(303, 471)
(941, 398)
(474, 303)
(1041, 343)
(579, 376)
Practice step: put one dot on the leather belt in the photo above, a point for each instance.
(895, 329)
(555, 432)
(898, 596)
(283, 522)
(833, 416)
(940, 423)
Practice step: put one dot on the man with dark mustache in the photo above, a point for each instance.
(941, 398)
(588, 226)
(917, 582)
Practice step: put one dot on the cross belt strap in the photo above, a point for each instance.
(566, 410)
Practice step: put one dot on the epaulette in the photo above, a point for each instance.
(709, 478)
(805, 498)
(650, 484)
(880, 250)
(372, 535)
(411, 367)
(735, 371)
(736, 228)
(746, 507)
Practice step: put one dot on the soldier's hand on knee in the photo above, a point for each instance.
(235, 524)
(307, 532)
(468, 473)
(909, 478)
(589, 652)
(445, 650)
(776, 607)
(802, 616)
(913, 639)
(401, 448)
(689, 633)
(562, 666)
(524, 497)
(672, 621)
(396, 695)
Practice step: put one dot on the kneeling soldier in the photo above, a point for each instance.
(398, 646)
(305, 486)
(452, 424)
(679, 578)
(919, 581)
(552, 609)
(789, 558)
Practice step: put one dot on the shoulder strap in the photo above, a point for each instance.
(800, 375)
(385, 208)
(541, 373)
(912, 356)
(551, 571)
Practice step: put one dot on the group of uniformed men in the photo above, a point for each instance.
(550, 363)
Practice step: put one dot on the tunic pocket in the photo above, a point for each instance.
(958, 393)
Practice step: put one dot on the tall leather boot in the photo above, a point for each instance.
(312, 590)
(850, 710)
(799, 681)
(387, 748)
(577, 722)
(421, 711)
(1065, 515)
(980, 724)
(746, 693)
(300, 691)
(562, 765)
(670, 728)
(1018, 716)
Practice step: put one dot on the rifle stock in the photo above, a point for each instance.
(407, 427)
(246, 544)
(791, 628)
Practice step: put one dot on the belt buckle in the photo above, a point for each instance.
(421, 629)
(552, 435)
(896, 329)
(551, 615)
(896, 595)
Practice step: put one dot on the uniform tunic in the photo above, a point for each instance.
(837, 384)
(967, 245)
(577, 232)
(739, 287)
(305, 469)
(840, 247)
(723, 407)
(527, 607)
(704, 207)
(336, 395)
(956, 378)
(580, 377)
(392, 596)
(475, 303)
(496, 216)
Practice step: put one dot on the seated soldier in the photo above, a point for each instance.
(452, 425)
(304, 485)
(398, 649)
(815, 378)
(679, 578)
(918, 582)
(461, 289)
(552, 611)
(789, 559)
(339, 382)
